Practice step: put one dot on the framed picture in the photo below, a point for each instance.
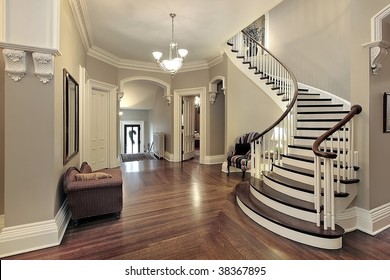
(71, 117)
(386, 112)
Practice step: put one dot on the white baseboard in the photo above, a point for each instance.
(232, 169)
(168, 156)
(373, 221)
(29, 237)
(1, 222)
(214, 159)
(369, 221)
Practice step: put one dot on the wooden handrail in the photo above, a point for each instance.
(355, 110)
(295, 84)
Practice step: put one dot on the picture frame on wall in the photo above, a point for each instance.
(386, 112)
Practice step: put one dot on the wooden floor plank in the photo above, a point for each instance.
(188, 211)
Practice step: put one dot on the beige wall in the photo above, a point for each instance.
(216, 118)
(101, 71)
(161, 119)
(255, 112)
(313, 38)
(33, 134)
(367, 90)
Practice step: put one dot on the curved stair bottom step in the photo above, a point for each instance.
(333, 243)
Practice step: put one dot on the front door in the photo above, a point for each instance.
(132, 138)
(188, 128)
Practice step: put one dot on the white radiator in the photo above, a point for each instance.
(158, 144)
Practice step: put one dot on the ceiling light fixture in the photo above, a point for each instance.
(172, 64)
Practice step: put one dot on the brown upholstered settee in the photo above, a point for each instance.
(93, 193)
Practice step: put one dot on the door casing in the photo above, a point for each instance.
(177, 109)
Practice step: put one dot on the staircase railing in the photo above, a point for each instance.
(335, 162)
(268, 147)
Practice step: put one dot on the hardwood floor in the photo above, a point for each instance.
(188, 211)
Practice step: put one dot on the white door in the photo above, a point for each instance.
(188, 127)
(99, 129)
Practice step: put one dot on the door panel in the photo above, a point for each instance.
(99, 129)
(188, 127)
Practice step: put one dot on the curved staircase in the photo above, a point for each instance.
(295, 190)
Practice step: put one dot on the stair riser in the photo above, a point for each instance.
(313, 102)
(291, 211)
(341, 203)
(309, 197)
(301, 152)
(308, 96)
(318, 109)
(321, 116)
(325, 243)
(312, 132)
(317, 124)
(294, 176)
(303, 164)
(304, 142)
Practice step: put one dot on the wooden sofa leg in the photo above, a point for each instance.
(117, 215)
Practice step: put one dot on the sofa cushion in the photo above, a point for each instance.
(242, 149)
(85, 168)
(92, 176)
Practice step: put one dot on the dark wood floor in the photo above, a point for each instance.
(188, 211)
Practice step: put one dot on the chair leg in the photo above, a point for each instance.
(243, 175)
(228, 167)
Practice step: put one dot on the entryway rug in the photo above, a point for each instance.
(136, 157)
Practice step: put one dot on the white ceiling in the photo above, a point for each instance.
(132, 29)
(128, 31)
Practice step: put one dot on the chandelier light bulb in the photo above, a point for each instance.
(157, 55)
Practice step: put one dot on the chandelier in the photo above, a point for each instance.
(176, 56)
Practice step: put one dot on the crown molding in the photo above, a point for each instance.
(81, 16)
(115, 61)
(80, 13)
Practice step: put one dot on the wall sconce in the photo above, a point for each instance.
(15, 63)
(168, 99)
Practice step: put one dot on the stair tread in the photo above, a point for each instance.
(314, 99)
(314, 138)
(308, 94)
(319, 105)
(318, 120)
(309, 147)
(317, 128)
(324, 112)
(310, 173)
(243, 193)
(290, 183)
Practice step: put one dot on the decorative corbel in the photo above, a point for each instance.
(378, 51)
(168, 99)
(213, 90)
(43, 65)
(15, 63)
(120, 95)
(213, 96)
